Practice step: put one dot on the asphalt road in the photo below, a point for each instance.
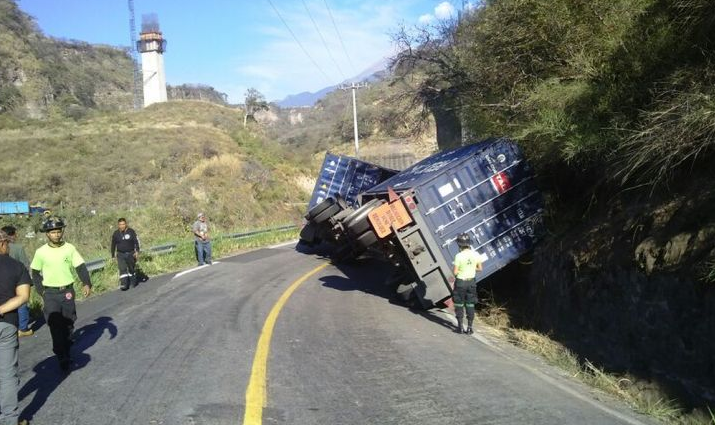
(179, 350)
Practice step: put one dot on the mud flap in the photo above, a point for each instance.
(432, 290)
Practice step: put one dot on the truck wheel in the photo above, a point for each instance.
(360, 212)
(366, 239)
(359, 226)
(308, 233)
(341, 215)
(404, 291)
(326, 214)
(322, 206)
(357, 223)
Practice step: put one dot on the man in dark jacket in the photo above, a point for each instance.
(125, 248)
(14, 291)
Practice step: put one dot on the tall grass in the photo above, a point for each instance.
(642, 397)
(676, 133)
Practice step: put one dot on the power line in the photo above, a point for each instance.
(323, 40)
(299, 43)
(339, 36)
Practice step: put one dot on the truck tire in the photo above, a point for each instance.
(404, 291)
(341, 215)
(357, 223)
(360, 211)
(308, 233)
(357, 227)
(319, 208)
(366, 239)
(327, 213)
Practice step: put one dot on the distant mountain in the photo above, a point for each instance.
(375, 72)
(305, 98)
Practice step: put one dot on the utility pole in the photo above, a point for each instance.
(354, 87)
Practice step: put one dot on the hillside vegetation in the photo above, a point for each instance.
(612, 102)
(616, 90)
(387, 125)
(41, 75)
(158, 167)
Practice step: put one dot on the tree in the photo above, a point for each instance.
(428, 72)
(255, 101)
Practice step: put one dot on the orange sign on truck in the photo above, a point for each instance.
(387, 215)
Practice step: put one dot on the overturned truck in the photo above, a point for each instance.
(413, 218)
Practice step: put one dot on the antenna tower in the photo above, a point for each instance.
(135, 58)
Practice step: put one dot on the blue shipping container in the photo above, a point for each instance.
(16, 207)
(347, 177)
(486, 190)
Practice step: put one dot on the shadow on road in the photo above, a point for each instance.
(376, 277)
(321, 250)
(48, 375)
(367, 275)
(434, 317)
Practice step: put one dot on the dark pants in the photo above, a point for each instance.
(464, 297)
(127, 269)
(9, 381)
(60, 314)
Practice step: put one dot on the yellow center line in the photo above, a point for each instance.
(256, 390)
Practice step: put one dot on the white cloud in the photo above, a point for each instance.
(278, 65)
(444, 10)
(426, 19)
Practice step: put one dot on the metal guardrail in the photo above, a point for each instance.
(100, 263)
(256, 232)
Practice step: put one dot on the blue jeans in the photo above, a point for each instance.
(203, 252)
(9, 381)
(24, 314)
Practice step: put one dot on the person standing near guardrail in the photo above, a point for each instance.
(202, 242)
(14, 291)
(52, 276)
(466, 266)
(17, 252)
(125, 249)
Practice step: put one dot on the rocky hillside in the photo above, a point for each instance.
(631, 289)
(41, 76)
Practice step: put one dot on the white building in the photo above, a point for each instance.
(152, 45)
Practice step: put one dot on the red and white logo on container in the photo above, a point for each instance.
(501, 182)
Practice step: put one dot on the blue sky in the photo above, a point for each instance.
(232, 45)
